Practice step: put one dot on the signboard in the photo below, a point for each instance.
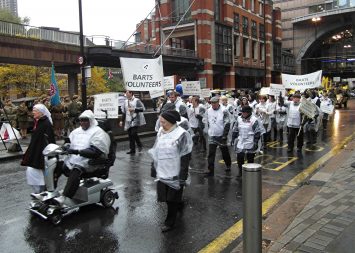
(106, 101)
(156, 93)
(191, 88)
(302, 82)
(308, 108)
(264, 91)
(169, 82)
(206, 93)
(203, 82)
(121, 100)
(336, 78)
(275, 90)
(142, 74)
(326, 108)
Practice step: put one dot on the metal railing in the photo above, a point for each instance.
(54, 35)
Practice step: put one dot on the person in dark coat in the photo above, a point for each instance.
(33, 158)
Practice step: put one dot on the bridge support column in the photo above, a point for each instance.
(73, 84)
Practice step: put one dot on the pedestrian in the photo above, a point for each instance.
(196, 115)
(272, 107)
(218, 125)
(171, 156)
(74, 109)
(33, 158)
(11, 111)
(294, 121)
(326, 102)
(22, 118)
(174, 97)
(263, 112)
(246, 132)
(57, 113)
(133, 118)
(280, 116)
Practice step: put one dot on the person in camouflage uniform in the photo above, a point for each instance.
(58, 119)
(22, 118)
(74, 109)
(11, 112)
(65, 115)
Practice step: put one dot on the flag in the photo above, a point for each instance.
(110, 75)
(54, 91)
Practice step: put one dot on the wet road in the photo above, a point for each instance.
(212, 204)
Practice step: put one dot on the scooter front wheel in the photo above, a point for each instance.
(107, 198)
(56, 218)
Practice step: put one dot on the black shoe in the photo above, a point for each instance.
(299, 150)
(131, 152)
(227, 170)
(166, 228)
(289, 150)
(140, 149)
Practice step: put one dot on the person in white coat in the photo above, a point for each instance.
(246, 132)
(294, 123)
(171, 156)
(218, 125)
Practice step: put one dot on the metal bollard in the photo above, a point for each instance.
(252, 208)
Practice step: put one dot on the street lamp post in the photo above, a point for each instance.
(82, 53)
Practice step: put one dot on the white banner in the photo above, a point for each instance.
(325, 108)
(264, 91)
(302, 82)
(106, 101)
(206, 93)
(275, 90)
(191, 88)
(308, 108)
(142, 74)
(169, 82)
(156, 93)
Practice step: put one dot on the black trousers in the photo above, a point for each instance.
(292, 134)
(241, 159)
(212, 155)
(73, 182)
(134, 138)
(199, 138)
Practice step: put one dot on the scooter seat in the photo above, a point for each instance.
(101, 172)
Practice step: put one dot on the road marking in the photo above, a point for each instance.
(283, 164)
(316, 148)
(232, 233)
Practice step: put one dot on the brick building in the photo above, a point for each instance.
(231, 36)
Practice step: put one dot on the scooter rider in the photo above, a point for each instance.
(87, 142)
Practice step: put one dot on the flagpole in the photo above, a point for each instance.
(83, 78)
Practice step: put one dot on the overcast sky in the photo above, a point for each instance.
(114, 18)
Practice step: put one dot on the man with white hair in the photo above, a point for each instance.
(87, 142)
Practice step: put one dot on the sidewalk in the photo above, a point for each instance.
(327, 222)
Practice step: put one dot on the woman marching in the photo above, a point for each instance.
(171, 158)
(33, 158)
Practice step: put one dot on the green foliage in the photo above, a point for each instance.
(97, 82)
(7, 16)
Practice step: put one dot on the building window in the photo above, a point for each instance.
(243, 3)
(237, 46)
(254, 50)
(277, 56)
(177, 43)
(179, 9)
(254, 32)
(217, 7)
(138, 37)
(245, 26)
(261, 31)
(261, 9)
(262, 52)
(223, 44)
(236, 23)
(246, 48)
(252, 5)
